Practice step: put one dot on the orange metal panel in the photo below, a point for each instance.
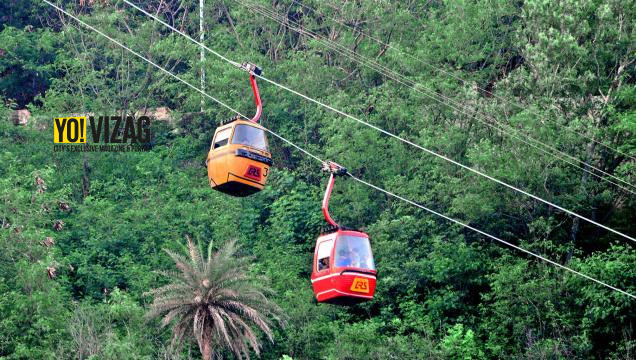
(236, 175)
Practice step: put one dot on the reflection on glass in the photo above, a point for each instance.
(250, 136)
(222, 137)
(354, 251)
(324, 252)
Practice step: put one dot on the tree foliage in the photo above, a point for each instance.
(211, 299)
(82, 233)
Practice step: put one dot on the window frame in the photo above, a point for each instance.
(329, 253)
(229, 130)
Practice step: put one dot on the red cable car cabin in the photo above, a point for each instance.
(343, 270)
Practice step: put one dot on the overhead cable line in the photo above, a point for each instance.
(322, 161)
(406, 141)
(440, 98)
(431, 66)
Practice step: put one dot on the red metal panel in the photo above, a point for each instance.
(341, 285)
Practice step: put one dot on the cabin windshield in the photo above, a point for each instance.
(250, 136)
(354, 251)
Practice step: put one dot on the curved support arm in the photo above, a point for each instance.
(325, 201)
(257, 98)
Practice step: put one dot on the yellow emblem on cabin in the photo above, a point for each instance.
(360, 285)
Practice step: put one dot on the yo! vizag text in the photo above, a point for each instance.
(103, 129)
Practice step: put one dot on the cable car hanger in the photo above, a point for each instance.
(334, 170)
(254, 70)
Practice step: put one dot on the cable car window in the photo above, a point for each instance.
(324, 253)
(250, 136)
(222, 137)
(354, 251)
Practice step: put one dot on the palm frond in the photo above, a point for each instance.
(215, 302)
(188, 273)
(195, 255)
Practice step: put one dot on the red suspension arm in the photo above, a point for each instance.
(257, 98)
(325, 201)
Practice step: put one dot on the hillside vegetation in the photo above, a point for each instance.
(82, 234)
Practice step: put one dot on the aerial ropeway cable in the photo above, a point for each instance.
(406, 141)
(433, 67)
(444, 100)
(457, 222)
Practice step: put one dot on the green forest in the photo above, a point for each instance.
(111, 254)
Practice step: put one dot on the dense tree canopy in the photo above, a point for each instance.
(82, 233)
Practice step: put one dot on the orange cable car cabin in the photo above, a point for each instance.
(343, 270)
(239, 159)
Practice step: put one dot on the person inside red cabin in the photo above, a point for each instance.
(343, 258)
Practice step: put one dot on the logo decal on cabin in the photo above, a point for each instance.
(109, 133)
(253, 172)
(360, 285)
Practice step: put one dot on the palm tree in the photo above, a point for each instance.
(215, 302)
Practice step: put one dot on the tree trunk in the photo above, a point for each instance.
(86, 181)
(584, 178)
(206, 350)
